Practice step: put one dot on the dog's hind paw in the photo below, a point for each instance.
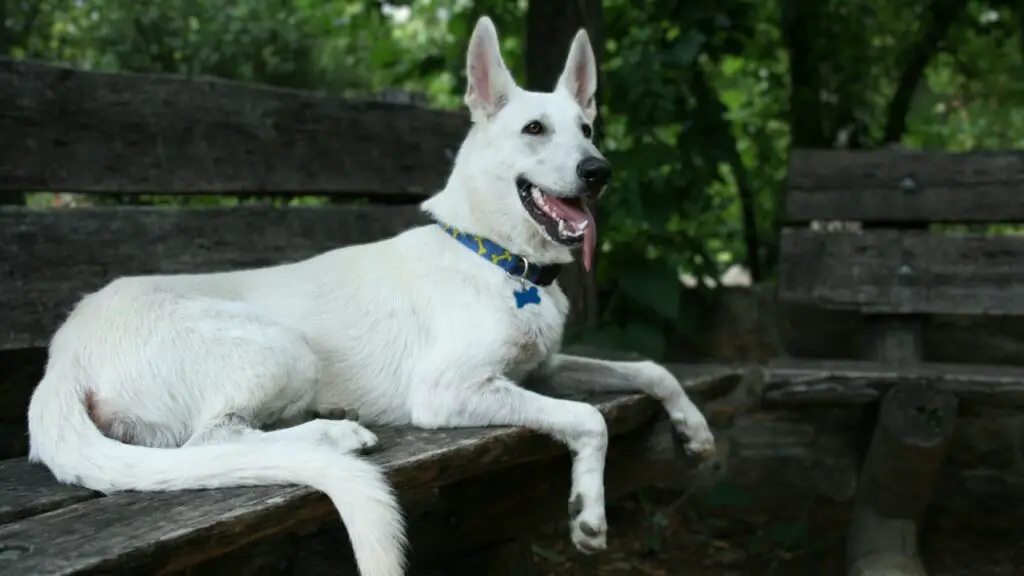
(344, 435)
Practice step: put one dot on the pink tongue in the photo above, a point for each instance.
(578, 217)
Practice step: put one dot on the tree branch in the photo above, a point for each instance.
(944, 13)
(708, 100)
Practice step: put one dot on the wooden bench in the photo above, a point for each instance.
(471, 494)
(870, 231)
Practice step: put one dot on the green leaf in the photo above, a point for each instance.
(688, 47)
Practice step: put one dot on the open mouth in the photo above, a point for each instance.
(567, 221)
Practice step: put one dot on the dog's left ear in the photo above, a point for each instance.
(579, 77)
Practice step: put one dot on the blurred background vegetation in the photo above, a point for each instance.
(700, 100)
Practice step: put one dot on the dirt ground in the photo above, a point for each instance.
(725, 532)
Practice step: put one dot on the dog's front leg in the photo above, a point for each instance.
(565, 373)
(497, 401)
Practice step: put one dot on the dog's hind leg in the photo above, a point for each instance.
(218, 374)
(565, 373)
(497, 401)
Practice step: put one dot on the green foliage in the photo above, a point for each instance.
(698, 106)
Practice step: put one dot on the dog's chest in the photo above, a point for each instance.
(534, 331)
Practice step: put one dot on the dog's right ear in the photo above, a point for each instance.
(488, 82)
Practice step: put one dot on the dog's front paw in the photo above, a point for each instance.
(587, 526)
(700, 441)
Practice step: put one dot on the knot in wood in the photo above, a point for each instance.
(905, 270)
(11, 551)
(908, 184)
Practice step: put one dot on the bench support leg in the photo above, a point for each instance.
(909, 443)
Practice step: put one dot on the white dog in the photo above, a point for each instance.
(178, 382)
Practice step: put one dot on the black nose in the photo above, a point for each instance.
(595, 172)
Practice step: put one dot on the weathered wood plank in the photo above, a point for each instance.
(826, 383)
(50, 258)
(905, 186)
(170, 531)
(803, 452)
(903, 272)
(28, 490)
(813, 452)
(70, 130)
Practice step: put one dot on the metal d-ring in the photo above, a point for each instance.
(521, 279)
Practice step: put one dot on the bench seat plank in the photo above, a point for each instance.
(816, 383)
(146, 531)
(27, 490)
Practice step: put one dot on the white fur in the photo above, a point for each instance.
(414, 329)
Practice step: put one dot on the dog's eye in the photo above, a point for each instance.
(587, 131)
(533, 128)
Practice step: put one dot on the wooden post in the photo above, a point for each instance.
(895, 339)
(915, 424)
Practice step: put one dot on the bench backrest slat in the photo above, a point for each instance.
(903, 272)
(67, 130)
(901, 186)
(50, 258)
(892, 262)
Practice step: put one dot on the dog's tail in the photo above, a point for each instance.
(64, 437)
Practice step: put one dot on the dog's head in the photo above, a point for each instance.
(529, 164)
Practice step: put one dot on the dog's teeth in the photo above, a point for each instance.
(537, 196)
(582, 226)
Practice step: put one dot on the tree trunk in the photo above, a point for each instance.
(550, 27)
(6, 42)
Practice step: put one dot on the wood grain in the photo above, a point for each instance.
(903, 272)
(162, 532)
(50, 258)
(818, 384)
(70, 130)
(899, 186)
(28, 490)
(915, 424)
